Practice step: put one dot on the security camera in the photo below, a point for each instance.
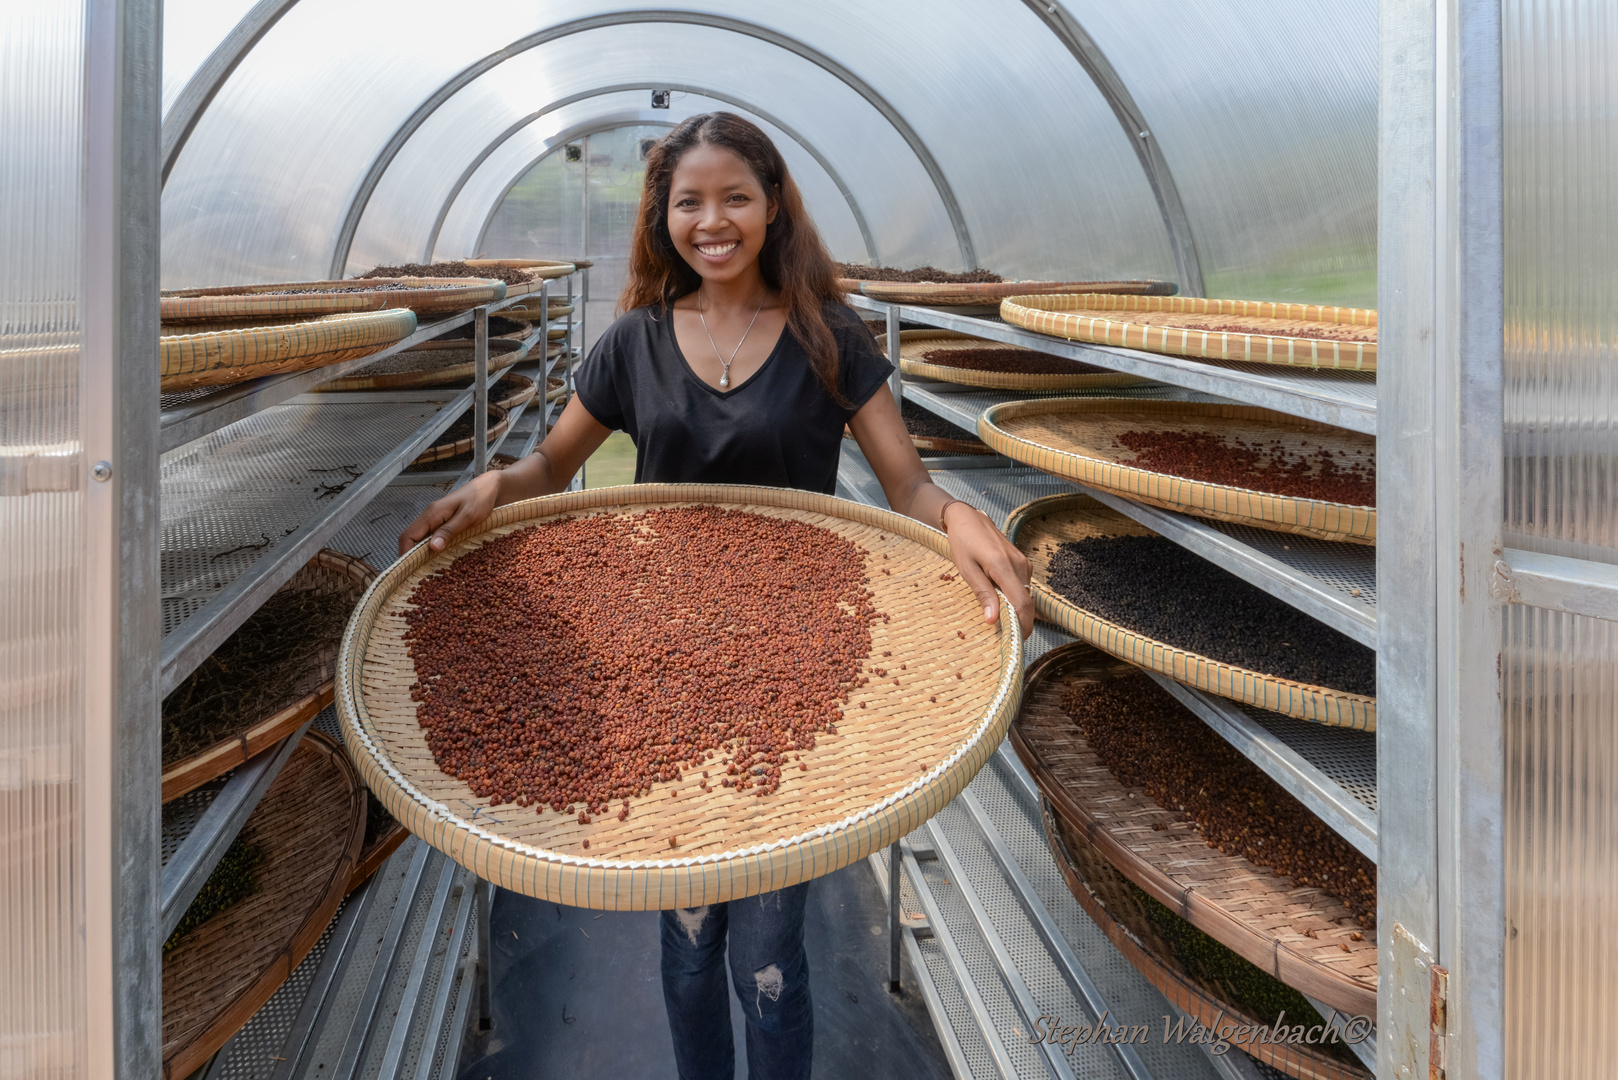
(660, 99)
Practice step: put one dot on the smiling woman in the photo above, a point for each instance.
(734, 361)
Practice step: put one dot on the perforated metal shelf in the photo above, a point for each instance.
(1342, 399)
(246, 507)
(192, 414)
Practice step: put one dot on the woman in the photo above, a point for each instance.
(736, 362)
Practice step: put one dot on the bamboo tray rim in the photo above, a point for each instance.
(996, 380)
(1070, 616)
(1136, 953)
(355, 717)
(1010, 443)
(922, 291)
(1187, 901)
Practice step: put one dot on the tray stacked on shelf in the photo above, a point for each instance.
(895, 754)
(1236, 463)
(512, 390)
(970, 294)
(433, 363)
(1252, 331)
(267, 680)
(459, 438)
(1229, 941)
(221, 353)
(948, 356)
(304, 841)
(431, 297)
(1242, 621)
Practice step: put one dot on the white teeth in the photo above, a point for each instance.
(716, 250)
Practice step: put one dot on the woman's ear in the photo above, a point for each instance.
(772, 207)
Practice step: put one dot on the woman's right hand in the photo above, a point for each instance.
(456, 512)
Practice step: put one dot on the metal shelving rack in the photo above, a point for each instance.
(257, 477)
(972, 990)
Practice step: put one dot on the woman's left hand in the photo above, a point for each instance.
(986, 559)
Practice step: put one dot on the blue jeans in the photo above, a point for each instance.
(771, 976)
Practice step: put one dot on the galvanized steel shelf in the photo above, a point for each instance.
(1342, 399)
(192, 414)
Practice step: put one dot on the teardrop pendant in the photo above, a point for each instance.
(724, 377)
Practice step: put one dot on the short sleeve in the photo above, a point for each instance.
(601, 381)
(861, 369)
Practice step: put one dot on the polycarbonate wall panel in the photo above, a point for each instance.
(43, 995)
(1561, 712)
(1266, 112)
(904, 209)
(192, 29)
(1561, 155)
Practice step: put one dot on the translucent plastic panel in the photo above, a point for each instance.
(1561, 701)
(904, 210)
(1561, 155)
(43, 995)
(192, 29)
(1266, 111)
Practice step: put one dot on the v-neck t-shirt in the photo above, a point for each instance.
(780, 428)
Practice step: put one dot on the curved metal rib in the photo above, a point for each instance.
(1095, 63)
(686, 88)
(561, 138)
(373, 176)
(205, 83)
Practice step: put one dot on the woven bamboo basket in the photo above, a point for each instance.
(949, 446)
(454, 447)
(435, 363)
(1299, 934)
(949, 295)
(309, 825)
(435, 297)
(848, 285)
(299, 299)
(305, 695)
(1036, 528)
(192, 357)
(1105, 896)
(522, 391)
(555, 388)
(539, 269)
(892, 764)
(559, 309)
(1295, 335)
(914, 345)
(1074, 438)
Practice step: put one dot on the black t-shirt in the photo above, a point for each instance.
(780, 428)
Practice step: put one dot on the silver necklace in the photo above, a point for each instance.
(724, 376)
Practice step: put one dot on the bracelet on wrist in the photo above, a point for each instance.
(943, 526)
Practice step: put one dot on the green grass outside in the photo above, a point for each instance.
(613, 463)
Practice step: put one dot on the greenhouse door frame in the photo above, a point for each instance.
(1440, 759)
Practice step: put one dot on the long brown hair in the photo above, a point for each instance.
(793, 261)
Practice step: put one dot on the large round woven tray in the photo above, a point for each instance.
(522, 392)
(1299, 934)
(436, 363)
(892, 764)
(914, 344)
(1105, 896)
(301, 299)
(305, 696)
(217, 357)
(432, 297)
(1224, 330)
(924, 292)
(309, 826)
(559, 309)
(555, 388)
(1039, 526)
(538, 269)
(449, 448)
(1072, 438)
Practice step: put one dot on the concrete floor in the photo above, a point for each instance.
(577, 994)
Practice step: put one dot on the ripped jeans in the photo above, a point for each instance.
(771, 976)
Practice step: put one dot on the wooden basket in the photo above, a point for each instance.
(455, 447)
(947, 294)
(915, 344)
(522, 394)
(555, 388)
(435, 363)
(1039, 526)
(1105, 896)
(435, 297)
(532, 312)
(1223, 331)
(300, 299)
(1299, 934)
(218, 357)
(305, 696)
(1072, 437)
(891, 765)
(309, 825)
